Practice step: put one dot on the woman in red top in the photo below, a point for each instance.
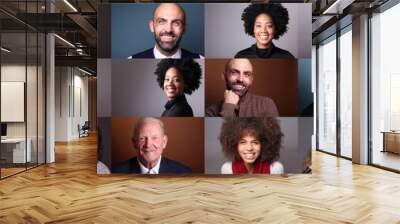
(253, 144)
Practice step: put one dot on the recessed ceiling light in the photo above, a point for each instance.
(337, 7)
(64, 40)
(5, 49)
(70, 5)
(84, 71)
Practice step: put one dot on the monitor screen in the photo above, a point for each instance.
(3, 129)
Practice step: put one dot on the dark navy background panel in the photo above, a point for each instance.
(131, 33)
(306, 97)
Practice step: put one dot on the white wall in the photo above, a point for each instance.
(70, 83)
(33, 126)
(79, 117)
(16, 73)
(13, 94)
(61, 103)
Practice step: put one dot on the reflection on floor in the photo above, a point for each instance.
(387, 159)
(10, 169)
(70, 191)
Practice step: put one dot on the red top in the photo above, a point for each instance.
(238, 167)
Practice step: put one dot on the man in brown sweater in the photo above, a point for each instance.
(238, 101)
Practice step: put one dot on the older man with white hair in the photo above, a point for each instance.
(150, 140)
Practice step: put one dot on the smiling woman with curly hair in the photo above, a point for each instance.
(177, 77)
(265, 22)
(252, 144)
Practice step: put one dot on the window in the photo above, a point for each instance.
(385, 89)
(327, 95)
(346, 75)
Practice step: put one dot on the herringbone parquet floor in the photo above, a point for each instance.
(70, 191)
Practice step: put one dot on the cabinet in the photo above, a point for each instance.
(391, 141)
(13, 150)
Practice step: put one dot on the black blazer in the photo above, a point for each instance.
(271, 52)
(149, 54)
(167, 166)
(178, 107)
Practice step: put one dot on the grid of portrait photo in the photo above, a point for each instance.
(204, 88)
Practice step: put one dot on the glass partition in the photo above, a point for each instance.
(345, 41)
(13, 104)
(31, 99)
(385, 89)
(327, 95)
(22, 88)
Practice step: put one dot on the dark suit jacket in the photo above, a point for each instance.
(149, 54)
(167, 166)
(178, 107)
(271, 52)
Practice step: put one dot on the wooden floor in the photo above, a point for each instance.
(10, 171)
(70, 191)
(387, 159)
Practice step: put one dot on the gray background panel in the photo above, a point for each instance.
(135, 91)
(306, 97)
(104, 87)
(225, 36)
(296, 145)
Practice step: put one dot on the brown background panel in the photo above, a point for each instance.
(275, 78)
(185, 141)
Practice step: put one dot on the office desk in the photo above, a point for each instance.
(391, 141)
(16, 147)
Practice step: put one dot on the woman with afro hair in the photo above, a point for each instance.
(177, 77)
(265, 22)
(252, 144)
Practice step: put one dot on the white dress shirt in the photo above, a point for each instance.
(154, 170)
(159, 55)
(177, 55)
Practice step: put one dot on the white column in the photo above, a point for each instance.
(50, 98)
(360, 90)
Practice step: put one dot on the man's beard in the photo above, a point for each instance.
(168, 49)
(241, 92)
(229, 86)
